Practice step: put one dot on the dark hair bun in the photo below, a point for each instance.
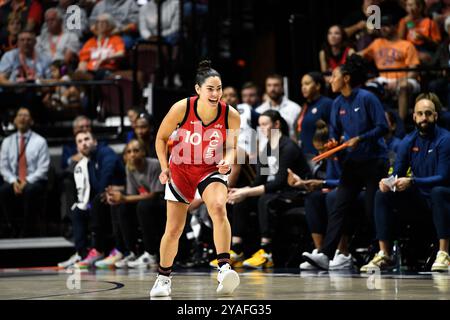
(204, 71)
(204, 65)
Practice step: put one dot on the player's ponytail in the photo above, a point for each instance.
(204, 71)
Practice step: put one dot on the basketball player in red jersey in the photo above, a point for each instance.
(201, 158)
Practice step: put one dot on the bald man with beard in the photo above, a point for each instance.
(424, 193)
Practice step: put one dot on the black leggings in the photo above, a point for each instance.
(355, 176)
(266, 206)
(241, 216)
(319, 204)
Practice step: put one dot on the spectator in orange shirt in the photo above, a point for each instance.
(419, 29)
(100, 54)
(125, 14)
(389, 52)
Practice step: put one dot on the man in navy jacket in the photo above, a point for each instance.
(104, 168)
(426, 152)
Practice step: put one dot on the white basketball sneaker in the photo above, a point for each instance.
(306, 266)
(146, 260)
(71, 261)
(162, 287)
(341, 261)
(228, 280)
(124, 262)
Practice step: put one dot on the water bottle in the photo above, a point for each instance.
(397, 256)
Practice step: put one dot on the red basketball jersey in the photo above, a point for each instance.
(197, 143)
(197, 148)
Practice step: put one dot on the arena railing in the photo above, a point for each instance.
(421, 70)
(100, 111)
(425, 74)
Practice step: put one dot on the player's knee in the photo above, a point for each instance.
(217, 206)
(173, 233)
(217, 210)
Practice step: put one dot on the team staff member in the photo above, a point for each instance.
(321, 198)
(427, 152)
(197, 162)
(316, 107)
(358, 116)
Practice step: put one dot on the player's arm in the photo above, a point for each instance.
(167, 127)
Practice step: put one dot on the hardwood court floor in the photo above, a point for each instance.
(48, 283)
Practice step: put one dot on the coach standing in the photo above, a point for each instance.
(357, 116)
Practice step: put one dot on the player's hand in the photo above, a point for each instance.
(195, 204)
(22, 185)
(16, 187)
(403, 183)
(114, 197)
(223, 166)
(313, 184)
(164, 177)
(332, 143)
(236, 195)
(383, 187)
(294, 180)
(353, 142)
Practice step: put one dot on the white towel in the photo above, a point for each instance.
(81, 176)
